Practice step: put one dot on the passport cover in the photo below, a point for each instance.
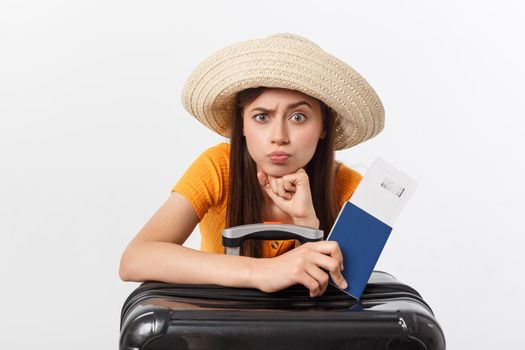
(361, 238)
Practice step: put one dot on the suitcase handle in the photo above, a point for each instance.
(233, 237)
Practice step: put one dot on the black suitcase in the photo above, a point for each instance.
(389, 315)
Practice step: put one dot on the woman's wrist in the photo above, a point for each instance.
(254, 275)
(312, 222)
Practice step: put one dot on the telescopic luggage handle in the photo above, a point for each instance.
(233, 237)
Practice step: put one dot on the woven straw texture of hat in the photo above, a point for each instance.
(283, 61)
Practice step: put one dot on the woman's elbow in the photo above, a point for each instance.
(124, 273)
(125, 269)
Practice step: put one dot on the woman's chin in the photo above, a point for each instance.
(279, 170)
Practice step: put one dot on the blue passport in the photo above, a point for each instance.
(366, 220)
(361, 238)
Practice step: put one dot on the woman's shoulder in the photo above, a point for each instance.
(218, 155)
(219, 150)
(205, 183)
(346, 182)
(211, 164)
(222, 149)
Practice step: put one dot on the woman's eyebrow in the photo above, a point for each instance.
(291, 106)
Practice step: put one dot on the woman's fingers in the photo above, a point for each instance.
(282, 190)
(263, 178)
(328, 248)
(330, 259)
(269, 184)
(289, 186)
(311, 283)
(310, 265)
(284, 187)
(278, 186)
(274, 197)
(321, 278)
(273, 184)
(333, 267)
(318, 273)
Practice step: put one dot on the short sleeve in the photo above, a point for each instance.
(204, 182)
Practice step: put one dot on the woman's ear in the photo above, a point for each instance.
(323, 134)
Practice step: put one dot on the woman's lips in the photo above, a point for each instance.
(279, 157)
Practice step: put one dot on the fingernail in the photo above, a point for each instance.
(344, 285)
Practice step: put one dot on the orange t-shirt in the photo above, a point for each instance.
(205, 185)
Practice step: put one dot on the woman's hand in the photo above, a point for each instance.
(291, 194)
(307, 264)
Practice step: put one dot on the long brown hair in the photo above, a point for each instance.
(246, 199)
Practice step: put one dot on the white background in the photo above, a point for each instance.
(93, 136)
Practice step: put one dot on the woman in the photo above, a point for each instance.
(286, 105)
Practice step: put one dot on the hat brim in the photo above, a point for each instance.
(289, 62)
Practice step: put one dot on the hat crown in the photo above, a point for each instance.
(293, 37)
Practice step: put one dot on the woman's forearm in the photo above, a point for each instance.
(173, 263)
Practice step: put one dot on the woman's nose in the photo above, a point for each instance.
(279, 133)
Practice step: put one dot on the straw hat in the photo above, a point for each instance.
(283, 61)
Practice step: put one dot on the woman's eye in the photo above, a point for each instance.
(261, 117)
(298, 117)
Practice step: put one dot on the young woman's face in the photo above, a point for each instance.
(282, 128)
